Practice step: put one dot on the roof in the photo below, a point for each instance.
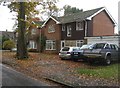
(80, 16)
(7, 34)
(38, 23)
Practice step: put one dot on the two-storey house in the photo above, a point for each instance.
(71, 30)
(33, 36)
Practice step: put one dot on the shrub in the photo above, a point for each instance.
(8, 45)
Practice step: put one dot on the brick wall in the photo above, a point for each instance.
(102, 25)
(54, 35)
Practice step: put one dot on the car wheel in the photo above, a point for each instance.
(91, 61)
(62, 59)
(75, 59)
(108, 60)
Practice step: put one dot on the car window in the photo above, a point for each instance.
(85, 47)
(99, 46)
(107, 46)
(116, 47)
(65, 49)
(113, 47)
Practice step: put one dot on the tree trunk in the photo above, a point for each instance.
(21, 41)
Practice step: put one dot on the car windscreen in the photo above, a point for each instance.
(85, 47)
(76, 49)
(65, 49)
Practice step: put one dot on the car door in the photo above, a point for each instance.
(114, 51)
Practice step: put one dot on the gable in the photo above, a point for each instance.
(107, 13)
(50, 18)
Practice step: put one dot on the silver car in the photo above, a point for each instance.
(102, 52)
(66, 52)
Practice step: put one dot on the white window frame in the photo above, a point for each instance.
(32, 45)
(63, 27)
(51, 29)
(79, 42)
(69, 31)
(62, 42)
(79, 26)
(33, 31)
(52, 44)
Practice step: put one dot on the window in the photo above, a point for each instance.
(79, 25)
(114, 47)
(50, 45)
(107, 46)
(33, 31)
(79, 43)
(99, 46)
(32, 45)
(69, 29)
(63, 27)
(51, 29)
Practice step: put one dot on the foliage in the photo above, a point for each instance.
(4, 38)
(110, 72)
(69, 10)
(49, 8)
(25, 12)
(8, 45)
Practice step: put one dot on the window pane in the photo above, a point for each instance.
(63, 27)
(69, 30)
(79, 26)
(51, 28)
(50, 45)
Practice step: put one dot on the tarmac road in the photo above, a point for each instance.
(11, 77)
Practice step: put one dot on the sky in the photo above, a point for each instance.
(6, 22)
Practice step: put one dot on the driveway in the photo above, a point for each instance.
(11, 77)
(40, 66)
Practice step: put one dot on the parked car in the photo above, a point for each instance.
(14, 49)
(102, 52)
(69, 52)
(78, 54)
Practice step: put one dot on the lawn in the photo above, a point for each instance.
(108, 72)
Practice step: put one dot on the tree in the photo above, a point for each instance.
(25, 12)
(70, 10)
(49, 8)
(8, 45)
(21, 41)
(4, 38)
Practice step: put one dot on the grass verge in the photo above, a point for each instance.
(107, 72)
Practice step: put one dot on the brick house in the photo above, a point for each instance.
(33, 37)
(72, 29)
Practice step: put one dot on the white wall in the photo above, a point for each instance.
(104, 39)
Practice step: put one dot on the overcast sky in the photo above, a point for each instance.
(6, 21)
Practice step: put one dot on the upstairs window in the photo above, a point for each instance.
(51, 29)
(69, 31)
(33, 31)
(79, 26)
(63, 27)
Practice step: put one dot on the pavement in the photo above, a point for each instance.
(12, 77)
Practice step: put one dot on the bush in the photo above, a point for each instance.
(8, 45)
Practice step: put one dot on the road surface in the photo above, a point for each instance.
(11, 77)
